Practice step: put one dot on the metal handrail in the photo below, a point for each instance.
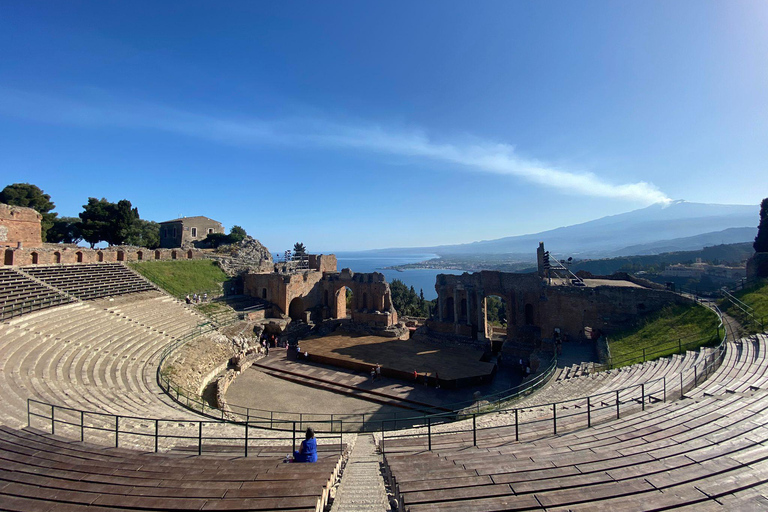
(63, 418)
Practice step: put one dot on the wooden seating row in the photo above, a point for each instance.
(41, 472)
(691, 452)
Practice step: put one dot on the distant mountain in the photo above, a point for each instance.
(690, 243)
(679, 225)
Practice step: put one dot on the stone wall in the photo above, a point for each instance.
(314, 296)
(19, 225)
(534, 308)
(53, 254)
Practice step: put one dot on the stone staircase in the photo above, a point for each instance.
(362, 486)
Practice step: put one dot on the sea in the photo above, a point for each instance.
(373, 261)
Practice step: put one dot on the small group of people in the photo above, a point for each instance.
(426, 379)
(375, 373)
(196, 299)
(307, 452)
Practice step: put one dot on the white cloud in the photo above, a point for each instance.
(476, 156)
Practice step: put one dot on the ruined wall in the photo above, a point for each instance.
(534, 308)
(323, 294)
(19, 225)
(53, 254)
(323, 262)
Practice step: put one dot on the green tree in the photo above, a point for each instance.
(299, 250)
(109, 222)
(65, 230)
(237, 234)
(406, 301)
(761, 240)
(144, 233)
(30, 196)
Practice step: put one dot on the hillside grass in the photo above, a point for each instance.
(180, 278)
(755, 297)
(662, 334)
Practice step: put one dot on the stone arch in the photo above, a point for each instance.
(325, 298)
(495, 319)
(189, 254)
(100, 256)
(120, 255)
(34, 258)
(343, 307)
(296, 309)
(365, 300)
(79, 256)
(173, 255)
(139, 255)
(157, 255)
(57, 257)
(8, 258)
(264, 293)
(529, 314)
(463, 310)
(448, 310)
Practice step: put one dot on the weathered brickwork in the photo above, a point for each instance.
(536, 306)
(51, 254)
(320, 294)
(19, 225)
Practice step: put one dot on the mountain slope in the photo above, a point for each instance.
(612, 234)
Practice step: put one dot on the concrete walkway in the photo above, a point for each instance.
(362, 485)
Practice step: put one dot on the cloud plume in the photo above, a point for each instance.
(474, 156)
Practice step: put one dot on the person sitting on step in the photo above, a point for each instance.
(307, 452)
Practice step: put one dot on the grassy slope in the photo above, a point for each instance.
(757, 298)
(179, 278)
(660, 333)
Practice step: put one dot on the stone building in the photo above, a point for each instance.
(320, 293)
(537, 303)
(186, 231)
(19, 227)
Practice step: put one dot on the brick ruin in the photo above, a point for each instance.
(21, 244)
(19, 227)
(318, 293)
(537, 303)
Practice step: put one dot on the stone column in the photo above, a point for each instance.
(468, 292)
(439, 306)
(481, 315)
(456, 305)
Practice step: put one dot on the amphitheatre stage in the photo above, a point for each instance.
(455, 366)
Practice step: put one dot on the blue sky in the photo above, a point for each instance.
(358, 125)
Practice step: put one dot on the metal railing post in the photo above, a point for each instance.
(474, 430)
(117, 430)
(429, 433)
(53, 421)
(554, 418)
(665, 389)
(517, 429)
(294, 436)
(642, 395)
(589, 413)
(82, 427)
(246, 439)
(199, 437)
(617, 404)
(695, 377)
(29, 414)
(157, 433)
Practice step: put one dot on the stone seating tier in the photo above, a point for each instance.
(91, 281)
(19, 294)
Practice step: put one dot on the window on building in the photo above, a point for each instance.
(194, 232)
(210, 230)
(174, 232)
